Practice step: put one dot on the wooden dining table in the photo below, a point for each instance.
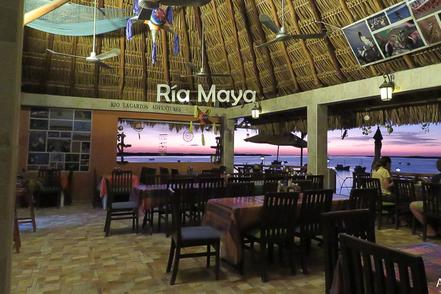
(234, 215)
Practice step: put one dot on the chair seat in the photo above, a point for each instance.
(124, 205)
(200, 233)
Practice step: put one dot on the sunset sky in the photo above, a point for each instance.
(404, 141)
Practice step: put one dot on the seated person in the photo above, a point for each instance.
(416, 207)
(381, 171)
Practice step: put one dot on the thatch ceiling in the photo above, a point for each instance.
(232, 30)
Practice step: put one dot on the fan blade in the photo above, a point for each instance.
(64, 54)
(268, 43)
(109, 54)
(269, 23)
(305, 36)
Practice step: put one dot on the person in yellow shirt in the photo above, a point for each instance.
(381, 171)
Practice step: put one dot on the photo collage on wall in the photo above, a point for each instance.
(398, 30)
(59, 138)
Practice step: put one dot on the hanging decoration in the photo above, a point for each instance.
(344, 134)
(425, 127)
(388, 126)
(188, 136)
(366, 130)
(138, 126)
(202, 117)
(159, 19)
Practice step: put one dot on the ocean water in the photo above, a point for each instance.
(343, 178)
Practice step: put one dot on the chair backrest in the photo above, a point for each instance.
(369, 268)
(51, 177)
(121, 185)
(359, 176)
(239, 179)
(361, 198)
(316, 181)
(211, 187)
(304, 185)
(432, 200)
(271, 182)
(239, 189)
(357, 222)
(404, 191)
(279, 216)
(174, 172)
(183, 188)
(148, 176)
(314, 203)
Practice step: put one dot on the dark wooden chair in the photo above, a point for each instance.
(357, 222)
(164, 175)
(148, 176)
(16, 234)
(313, 204)
(238, 178)
(68, 189)
(208, 188)
(96, 198)
(304, 185)
(271, 183)
(431, 205)
(276, 228)
(50, 189)
(404, 191)
(316, 181)
(369, 268)
(191, 236)
(118, 206)
(384, 208)
(361, 198)
(174, 172)
(239, 189)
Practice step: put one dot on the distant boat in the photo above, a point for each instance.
(342, 167)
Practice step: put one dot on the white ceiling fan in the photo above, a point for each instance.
(93, 57)
(201, 72)
(281, 34)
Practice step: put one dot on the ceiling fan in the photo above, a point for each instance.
(93, 57)
(281, 34)
(201, 72)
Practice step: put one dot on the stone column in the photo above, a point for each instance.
(317, 121)
(228, 144)
(11, 42)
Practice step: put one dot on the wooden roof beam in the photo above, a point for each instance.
(42, 10)
(303, 43)
(143, 43)
(165, 58)
(186, 41)
(219, 29)
(243, 12)
(284, 50)
(330, 47)
(236, 40)
(265, 50)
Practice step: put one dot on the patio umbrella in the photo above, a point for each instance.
(378, 137)
(286, 139)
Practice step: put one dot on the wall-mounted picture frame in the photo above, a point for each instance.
(430, 28)
(58, 145)
(82, 126)
(398, 13)
(378, 21)
(60, 113)
(422, 8)
(38, 158)
(362, 43)
(39, 124)
(37, 141)
(83, 115)
(60, 125)
(39, 112)
(399, 39)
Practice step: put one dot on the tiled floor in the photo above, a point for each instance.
(69, 254)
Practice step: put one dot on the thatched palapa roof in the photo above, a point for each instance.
(232, 29)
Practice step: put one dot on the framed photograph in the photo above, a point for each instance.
(60, 125)
(81, 137)
(82, 126)
(37, 141)
(76, 147)
(84, 156)
(378, 21)
(59, 113)
(430, 29)
(58, 145)
(398, 13)
(66, 135)
(53, 134)
(83, 115)
(72, 157)
(39, 124)
(422, 8)
(362, 43)
(56, 157)
(399, 39)
(38, 159)
(85, 147)
(72, 166)
(84, 168)
(39, 112)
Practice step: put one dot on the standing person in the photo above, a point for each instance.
(381, 171)
(417, 209)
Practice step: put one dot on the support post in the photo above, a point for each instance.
(228, 144)
(11, 47)
(317, 121)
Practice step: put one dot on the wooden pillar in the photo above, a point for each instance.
(11, 47)
(317, 139)
(228, 144)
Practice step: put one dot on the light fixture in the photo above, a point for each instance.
(387, 87)
(255, 112)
